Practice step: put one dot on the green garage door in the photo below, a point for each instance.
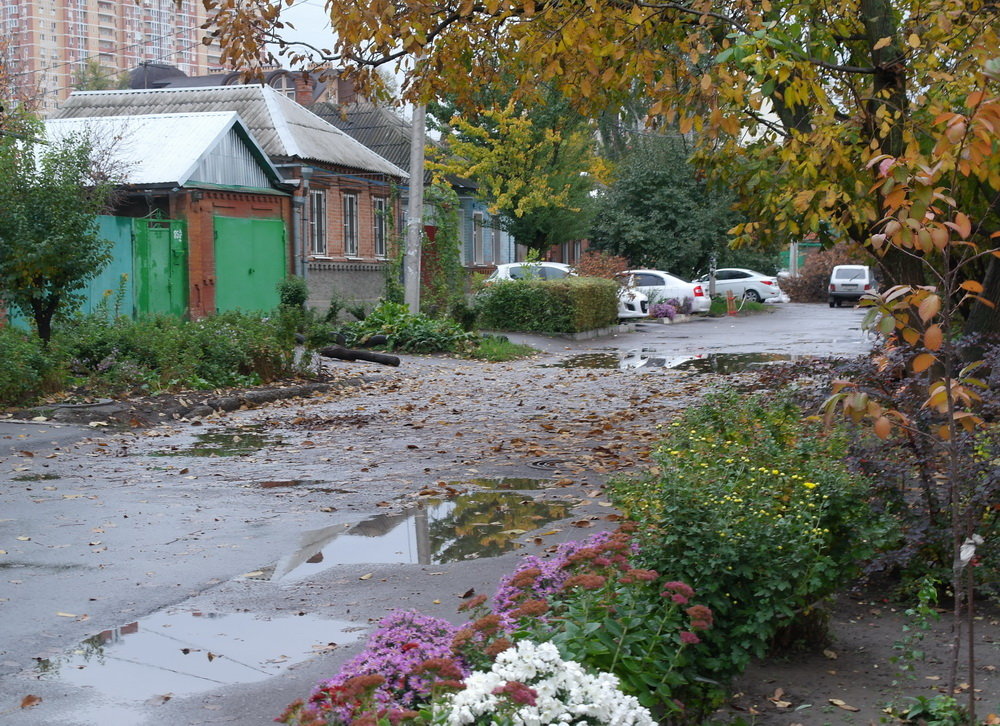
(250, 261)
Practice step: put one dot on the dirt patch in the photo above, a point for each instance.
(853, 679)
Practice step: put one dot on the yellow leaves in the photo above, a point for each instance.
(972, 286)
(882, 427)
(922, 362)
(929, 307)
(933, 337)
(882, 43)
(913, 40)
(962, 225)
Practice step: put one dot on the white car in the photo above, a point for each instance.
(631, 303)
(744, 283)
(660, 286)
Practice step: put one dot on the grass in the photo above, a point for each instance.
(497, 349)
(719, 310)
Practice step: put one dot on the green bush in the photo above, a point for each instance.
(162, 352)
(409, 333)
(569, 305)
(293, 292)
(754, 507)
(24, 366)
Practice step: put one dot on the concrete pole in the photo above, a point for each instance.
(415, 212)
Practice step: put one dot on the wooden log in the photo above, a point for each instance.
(342, 353)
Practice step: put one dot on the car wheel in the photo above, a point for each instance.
(832, 303)
(752, 296)
(839, 302)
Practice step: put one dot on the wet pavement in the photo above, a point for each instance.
(271, 538)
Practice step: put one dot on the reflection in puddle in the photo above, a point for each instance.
(646, 358)
(734, 362)
(507, 483)
(486, 524)
(238, 442)
(34, 477)
(589, 360)
(182, 653)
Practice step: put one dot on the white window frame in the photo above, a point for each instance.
(380, 227)
(478, 253)
(350, 211)
(317, 221)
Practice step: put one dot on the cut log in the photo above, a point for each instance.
(342, 353)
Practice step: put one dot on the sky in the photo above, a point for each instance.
(312, 24)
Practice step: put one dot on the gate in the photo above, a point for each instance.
(160, 260)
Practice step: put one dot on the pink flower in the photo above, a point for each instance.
(689, 638)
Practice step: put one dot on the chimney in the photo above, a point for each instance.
(304, 85)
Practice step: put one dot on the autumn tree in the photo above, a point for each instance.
(92, 76)
(790, 100)
(49, 245)
(534, 163)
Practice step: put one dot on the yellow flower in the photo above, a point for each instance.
(809, 484)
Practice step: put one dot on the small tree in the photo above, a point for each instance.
(49, 246)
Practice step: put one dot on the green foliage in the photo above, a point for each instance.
(409, 333)
(24, 366)
(570, 305)
(162, 353)
(293, 292)
(533, 160)
(49, 245)
(937, 710)
(443, 287)
(497, 348)
(755, 508)
(92, 76)
(660, 213)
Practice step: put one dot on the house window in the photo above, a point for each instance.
(317, 222)
(497, 246)
(285, 86)
(478, 256)
(380, 224)
(351, 225)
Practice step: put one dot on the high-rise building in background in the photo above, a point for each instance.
(54, 44)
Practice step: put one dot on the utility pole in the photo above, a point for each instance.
(415, 212)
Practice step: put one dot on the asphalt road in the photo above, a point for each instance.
(211, 572)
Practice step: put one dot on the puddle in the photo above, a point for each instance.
(34, 477)
(468, 526)
(187, 652)
(646, 358)
(510, 483)
(734, 362)
(589, 360)
(239, 442)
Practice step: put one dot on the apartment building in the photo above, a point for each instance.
(50, 42)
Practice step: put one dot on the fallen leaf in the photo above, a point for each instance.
(832, 655)
(29, 701)
(840, 704)
(160, 700)
(66, 615)
(366, 577)
(211, 656)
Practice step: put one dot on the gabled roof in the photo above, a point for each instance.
(286, 130)
(381, 130)
(176, 149)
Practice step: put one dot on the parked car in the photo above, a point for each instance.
(849, 282)
(631, 303)
(748, 284)
(660, 286)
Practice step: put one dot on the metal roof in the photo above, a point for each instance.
(382, 131)
(284, 129)
(175, 149)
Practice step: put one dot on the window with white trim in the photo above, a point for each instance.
(317, 222)
(380, 224)
(479, 256)
(351, 225)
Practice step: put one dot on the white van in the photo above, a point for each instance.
(850, 282)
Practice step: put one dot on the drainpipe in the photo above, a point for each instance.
(301, 268)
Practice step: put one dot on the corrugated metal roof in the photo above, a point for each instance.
(158, 149)
(382, 131)
(284, 129)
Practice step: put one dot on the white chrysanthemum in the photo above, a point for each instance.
(566, 693)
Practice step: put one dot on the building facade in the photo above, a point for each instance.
(51, 42)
